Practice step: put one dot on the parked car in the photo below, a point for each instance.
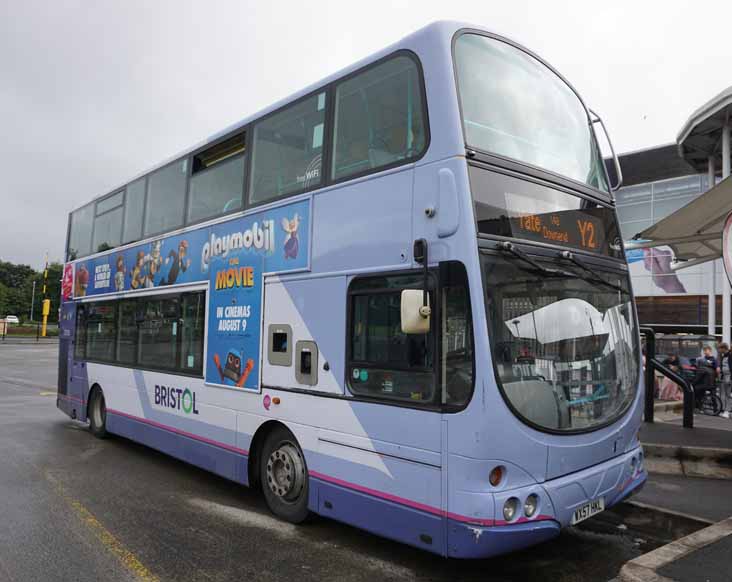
(12, 319)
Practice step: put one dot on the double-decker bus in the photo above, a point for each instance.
(398, 299)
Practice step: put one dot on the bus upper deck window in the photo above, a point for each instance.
(378, 118)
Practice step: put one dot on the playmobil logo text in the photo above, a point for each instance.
(262, 238)
(176, 398)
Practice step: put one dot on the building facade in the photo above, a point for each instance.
(657, 182)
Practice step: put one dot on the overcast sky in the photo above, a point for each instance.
(94, 92)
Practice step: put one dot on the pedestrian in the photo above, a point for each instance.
(709, 359)
(725, 374)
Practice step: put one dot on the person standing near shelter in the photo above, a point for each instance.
(724, 372)
(711, 361)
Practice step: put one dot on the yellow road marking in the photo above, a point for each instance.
(48, 393)
(111, 543)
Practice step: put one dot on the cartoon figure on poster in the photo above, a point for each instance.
(137, 274)
(292, 244)
(154, 262)
(232, 374)
(178, 263)
(235, 297)
(119, 276)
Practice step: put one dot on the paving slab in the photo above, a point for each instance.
(708, 500)
(665, 433)
(703, 555)
(712, 563)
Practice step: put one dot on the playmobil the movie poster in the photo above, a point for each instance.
(234, 321)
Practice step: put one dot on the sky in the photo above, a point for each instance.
(95, 92)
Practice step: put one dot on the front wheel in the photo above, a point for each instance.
(98, 414)
(284, 476)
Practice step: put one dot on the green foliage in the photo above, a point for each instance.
(16, 290)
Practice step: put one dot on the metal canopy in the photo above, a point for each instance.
(701, 135)
(694, 232)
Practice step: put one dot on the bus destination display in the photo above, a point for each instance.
(571, 228)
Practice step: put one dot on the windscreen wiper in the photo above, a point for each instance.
(511, 248)
(568, 256)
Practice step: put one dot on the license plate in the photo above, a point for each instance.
(587, 510)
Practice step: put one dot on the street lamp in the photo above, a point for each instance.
(33, 299)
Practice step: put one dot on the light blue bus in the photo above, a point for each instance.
(397, 299)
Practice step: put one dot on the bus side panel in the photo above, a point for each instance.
(226, 463)
(364, 225)
(315, 310)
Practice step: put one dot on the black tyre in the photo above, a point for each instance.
(284, 476)
(98, 414)
(711, 404)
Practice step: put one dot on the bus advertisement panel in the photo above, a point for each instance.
(234, 320)
(280, 236)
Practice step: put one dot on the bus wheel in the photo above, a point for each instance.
(284, 476)
(98, 414)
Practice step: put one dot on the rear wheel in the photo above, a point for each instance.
(284, 476)
(98, 414)
(711, 404)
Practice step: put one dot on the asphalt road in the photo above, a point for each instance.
(76, 508)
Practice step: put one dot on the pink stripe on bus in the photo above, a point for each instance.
(342, 483)
(181, 432)
(67, 397)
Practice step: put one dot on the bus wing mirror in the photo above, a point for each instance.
(415, 314)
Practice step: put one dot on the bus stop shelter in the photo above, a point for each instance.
(694, 232)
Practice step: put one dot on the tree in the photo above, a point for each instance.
(16, 290)
(13, 276)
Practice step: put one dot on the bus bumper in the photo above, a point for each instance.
(614, 481)
(473, 541)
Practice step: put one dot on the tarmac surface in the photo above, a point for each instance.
(73, 507)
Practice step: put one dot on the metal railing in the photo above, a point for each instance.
(653, 365)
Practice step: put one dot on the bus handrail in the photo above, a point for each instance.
(685, 386)
(654, 365)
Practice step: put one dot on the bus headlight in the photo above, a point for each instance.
(531, 504)
(510, 508)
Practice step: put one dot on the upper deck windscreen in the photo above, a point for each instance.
(514, 106)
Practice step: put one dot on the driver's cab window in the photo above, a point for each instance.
(385, 362)
(457, 335)
(434, 368)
